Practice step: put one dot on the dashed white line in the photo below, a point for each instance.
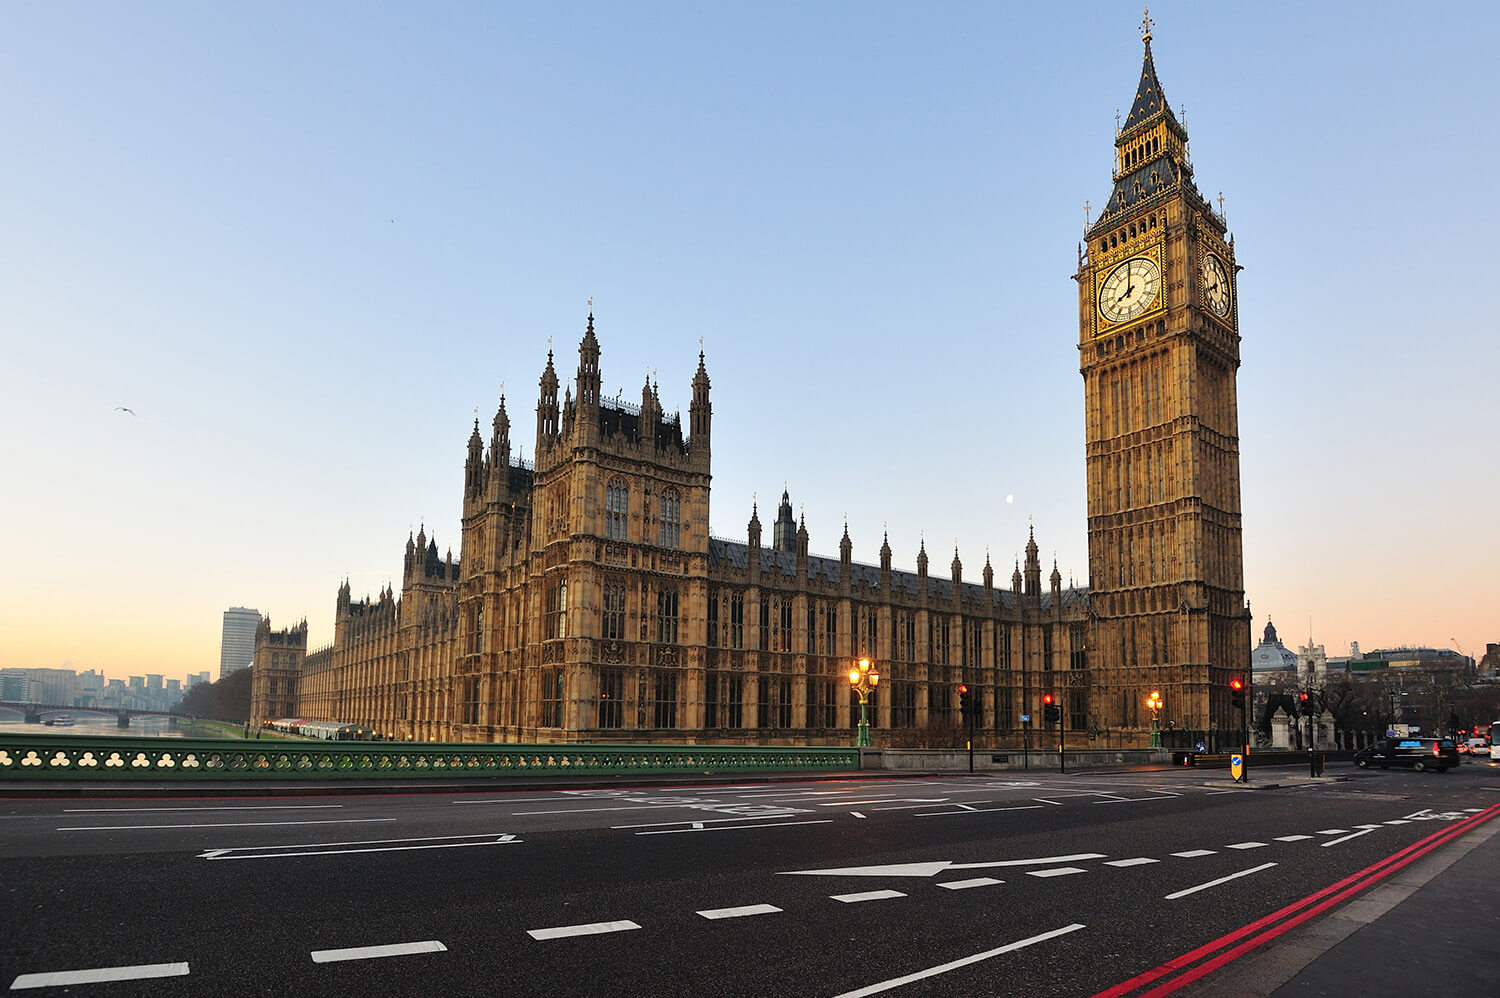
(1072, 858)
(1060, 871)
(1214, 883)
(1398, 821)
(979, 810)
(960, 885)
(1346, 838)
(1195, 853)
(856, 814)
(1332, 831)
(866, 896)
(590, 929)
(740, 912)
(375, 952)
(1246, 845)
(1292, 838)
(1138, 861)
(733, 828)
(897, 982)
(99, 975)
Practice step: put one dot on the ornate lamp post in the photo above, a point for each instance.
(1154, 702)
(863, 678)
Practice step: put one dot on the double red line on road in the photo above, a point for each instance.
(1211, 956)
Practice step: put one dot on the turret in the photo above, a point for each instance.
(500, 453)
(411, 559)
(700, 413)
(650, 416)
(474, 469)
(885, 562)
(752, 551)
(802, 550)
(989, 579)
(588, 373)
(922, 569)
(784, 533)
(846, 556)
(1056, 581)
(1033, 570)
(1015, 582)
(546, 408)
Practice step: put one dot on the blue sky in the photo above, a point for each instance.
(304, 241)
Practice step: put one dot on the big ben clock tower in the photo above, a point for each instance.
(1158, 318)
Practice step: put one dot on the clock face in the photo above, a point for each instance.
(1129, 290)
(1214, 282)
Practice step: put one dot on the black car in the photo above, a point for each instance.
(1418, 753)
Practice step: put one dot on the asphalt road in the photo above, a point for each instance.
(1018, 884)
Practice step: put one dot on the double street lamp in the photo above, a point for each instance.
(863, 678)
(1154, 702)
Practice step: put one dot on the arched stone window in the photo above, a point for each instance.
(616, 509)
(669, 524)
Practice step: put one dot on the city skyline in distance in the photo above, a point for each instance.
(303, 281)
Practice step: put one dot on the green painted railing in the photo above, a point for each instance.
(54, 757)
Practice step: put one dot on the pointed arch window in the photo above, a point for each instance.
(669, 524)
(616, 508)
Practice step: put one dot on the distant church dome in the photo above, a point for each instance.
(1271, 655)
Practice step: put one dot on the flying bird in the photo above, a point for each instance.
(121, 408)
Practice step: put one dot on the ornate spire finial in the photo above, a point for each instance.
(1146, 23)
(1087, 210)
(591, 304)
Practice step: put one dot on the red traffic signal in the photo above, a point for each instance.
(1236, 684)
(1046, 698)
(962, 688)
(1237, 692)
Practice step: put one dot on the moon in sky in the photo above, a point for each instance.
(1010, 498)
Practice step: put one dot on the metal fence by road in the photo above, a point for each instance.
(43, 757)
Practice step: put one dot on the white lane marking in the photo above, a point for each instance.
(593, 810)
(374, 952)
(890, 870)
(856, 814)
(866, 896)
(351, 848)
(229, 824)
(741, 912)
(1367, 827)
(1061, 871)
(1346, 838)
(697, 826)
(1215, 883)
(979, 810)
(959, 885)
(1039, 861)
(701, 821)
(227, 807)
(1474, 810)
(883, 800)
(1398, 821)
(1046, 801)
(1246, 845)
(1194, 853)
(1127, 800)
(99, 975)
(591, 929)
(1138, 861)
(1292, 838)
(733, 828)
(897, 982)
(1332, 831)
(1417, 814)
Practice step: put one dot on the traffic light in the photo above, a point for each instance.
(1237, 693)
(965, 700)
(1051, 712)
(1304, 705)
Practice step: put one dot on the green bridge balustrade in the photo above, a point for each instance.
(99, 757)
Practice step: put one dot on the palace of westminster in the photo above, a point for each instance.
(590, 604)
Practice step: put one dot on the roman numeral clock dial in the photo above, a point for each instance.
(1215, 283)
(1130, 289)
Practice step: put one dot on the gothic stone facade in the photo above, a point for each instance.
(591, 604)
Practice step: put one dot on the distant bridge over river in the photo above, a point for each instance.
(38, 713)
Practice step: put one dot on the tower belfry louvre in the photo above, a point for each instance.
(1158, 316)
(589, 602)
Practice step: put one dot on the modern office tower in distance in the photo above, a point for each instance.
(237, 649)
